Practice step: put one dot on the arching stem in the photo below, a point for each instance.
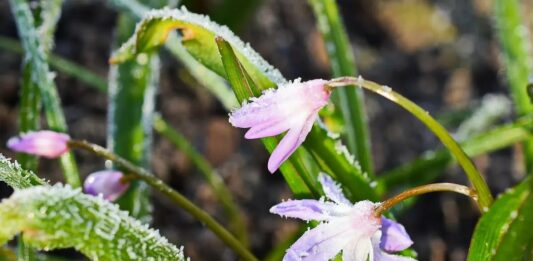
(477, 180)
(450, 187)
(178, 198)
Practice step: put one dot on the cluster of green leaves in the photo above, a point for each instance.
(212, 54)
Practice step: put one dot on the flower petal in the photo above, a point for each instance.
(320, 243)
(394, 237)
(290, 142)
(107, 183)
(380, 255)
(43, 143)
(332, 189)
(267, 129)
(305, 209)
(358, 251)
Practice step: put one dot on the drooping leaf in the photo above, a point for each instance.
(61, 217)
(199, 39)
(13, 175)
(504, 232)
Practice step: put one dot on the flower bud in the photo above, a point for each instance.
(108, 183)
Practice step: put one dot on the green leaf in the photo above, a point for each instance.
(207, 78)
(13, 175)
(504, 232)
(348, 100)
(61, 217)
(199, 39)
(41, 76)
(515, 42)
(132, 88)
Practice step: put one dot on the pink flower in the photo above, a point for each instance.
(292, 107)
(45, 143)
(107, 183)
(353, 229)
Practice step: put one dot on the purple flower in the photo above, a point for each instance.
(45, 143)
(292, 107)
(107, 183)
(353, 229)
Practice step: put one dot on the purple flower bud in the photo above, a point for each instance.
(107, 183)
(45, 143)
(394, 238)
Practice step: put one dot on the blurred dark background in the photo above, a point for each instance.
(442, 54)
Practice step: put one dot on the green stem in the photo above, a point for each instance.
(477, 180)
(436, 187)
(213, 178)
(172, 194)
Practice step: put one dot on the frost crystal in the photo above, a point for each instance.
(63, 217)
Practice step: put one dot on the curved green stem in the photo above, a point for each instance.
(172, 194)
(450, 187)
(477, 180)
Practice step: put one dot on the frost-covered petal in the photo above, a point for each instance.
(267, 129)
(332, 190)
(360, 250)
(43, 143)
(305, 209)
(320, 243)
(290, 142)
(394, 238)
(107, 183)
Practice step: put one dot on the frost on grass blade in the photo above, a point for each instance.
(13, 175)
(504, 232)
(62, 217)
(199, 39)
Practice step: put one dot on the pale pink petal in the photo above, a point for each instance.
(361, 250)
(267, 129)
(44, 143)
(320, 243)
(107, 183)
(332, 190)
(290, 142)
(394, 238)
(258, 110)
(305, 209)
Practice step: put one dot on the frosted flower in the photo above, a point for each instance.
(45, 143)
(292, 107)
(107, 183)
(353, 229)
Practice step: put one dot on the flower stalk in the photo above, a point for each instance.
(436, 187)
(175, 196)
(477, 180)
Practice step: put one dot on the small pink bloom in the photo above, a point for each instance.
(45, 143)
(292, 107)
(353, 229)
(107, 183)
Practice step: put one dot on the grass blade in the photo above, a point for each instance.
(429, 167)
(349, 100)
(44, 79)
(131, 92)
(515, 45)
